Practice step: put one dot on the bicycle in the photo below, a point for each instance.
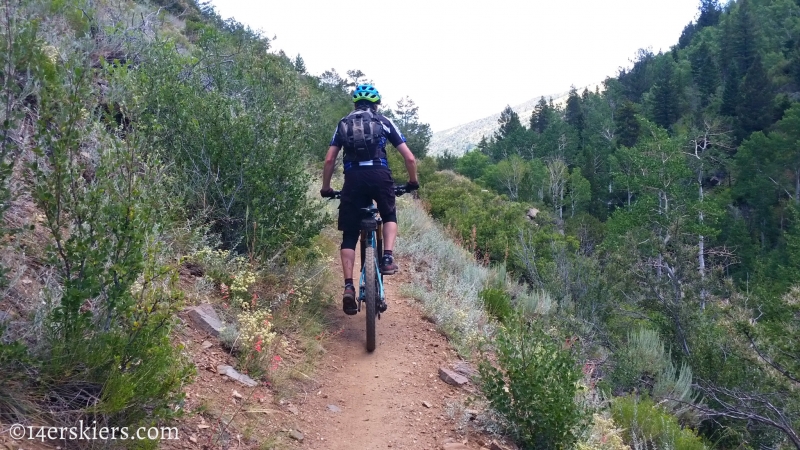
(370, 285)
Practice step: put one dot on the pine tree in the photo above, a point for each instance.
(665, 96)
(417, 134)
(792, 53)
(705, 72)
(332, 79)
(730, 96)
(355, 77)
(299, 64)
(744, 37)
(636, 81)
(626, 125)
(509, 123)
(574, 110)
(540, 116)
(710, 13)
(756, 108)
(686, 35)
(483, 145)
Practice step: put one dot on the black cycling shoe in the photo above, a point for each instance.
(349, 305)
(388, 267)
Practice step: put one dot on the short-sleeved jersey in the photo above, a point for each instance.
(391, 134)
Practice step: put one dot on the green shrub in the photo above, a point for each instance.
(649, 425)
(644, 364)
(497, 303)
(24, 65)
(237, 132)
(532, 303)
(107, 329)
(604, 434)
(485, 223)
(13, 358)
(534, 385)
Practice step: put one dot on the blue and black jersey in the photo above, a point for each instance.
(391, 134)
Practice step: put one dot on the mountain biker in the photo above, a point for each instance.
(366, 179)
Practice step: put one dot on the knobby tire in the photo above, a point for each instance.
(371, 295)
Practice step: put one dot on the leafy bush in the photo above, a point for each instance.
(238, 145)
(497, 303)
(107, 328)
(488, 223)
(534, 385)
(648, 426)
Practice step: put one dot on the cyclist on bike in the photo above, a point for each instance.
(363, 134)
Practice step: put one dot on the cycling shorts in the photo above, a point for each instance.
(361, 187)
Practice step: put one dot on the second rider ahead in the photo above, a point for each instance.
(363, 134)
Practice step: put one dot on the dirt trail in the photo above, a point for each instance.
(390, 398)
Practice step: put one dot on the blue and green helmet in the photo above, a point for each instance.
(366, 92)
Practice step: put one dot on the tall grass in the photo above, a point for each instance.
(448, 281)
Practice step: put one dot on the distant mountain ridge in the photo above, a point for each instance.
(463, 138)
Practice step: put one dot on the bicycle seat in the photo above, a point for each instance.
(369, 220)
(370, 211)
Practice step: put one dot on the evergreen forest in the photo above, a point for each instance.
(667, 203)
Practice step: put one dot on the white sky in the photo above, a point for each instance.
(464, 60)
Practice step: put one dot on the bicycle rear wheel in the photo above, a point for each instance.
(371, 295)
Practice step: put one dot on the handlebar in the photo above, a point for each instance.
(398, 191)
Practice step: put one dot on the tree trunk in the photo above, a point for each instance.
(701, 259)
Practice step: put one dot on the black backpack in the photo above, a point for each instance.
(361, 131)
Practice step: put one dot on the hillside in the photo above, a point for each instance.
(666, 220)
(614, 269)
(462, 138)
(166, 263)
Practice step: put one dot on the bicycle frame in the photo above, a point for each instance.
(374, 239)
(371, 237)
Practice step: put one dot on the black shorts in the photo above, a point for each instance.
(361, 187)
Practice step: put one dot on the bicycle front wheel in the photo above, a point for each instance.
(371, 295)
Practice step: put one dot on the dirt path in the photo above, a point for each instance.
(390, 398)
(354, 400)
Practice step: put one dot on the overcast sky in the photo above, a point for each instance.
(464, 60)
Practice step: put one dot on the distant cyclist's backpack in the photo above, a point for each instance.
(361, 131)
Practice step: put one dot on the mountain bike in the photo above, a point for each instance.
(370, 286)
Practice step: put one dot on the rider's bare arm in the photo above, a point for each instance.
(408, 157)
(330, 163)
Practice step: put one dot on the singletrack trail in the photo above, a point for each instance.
(390, 398)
